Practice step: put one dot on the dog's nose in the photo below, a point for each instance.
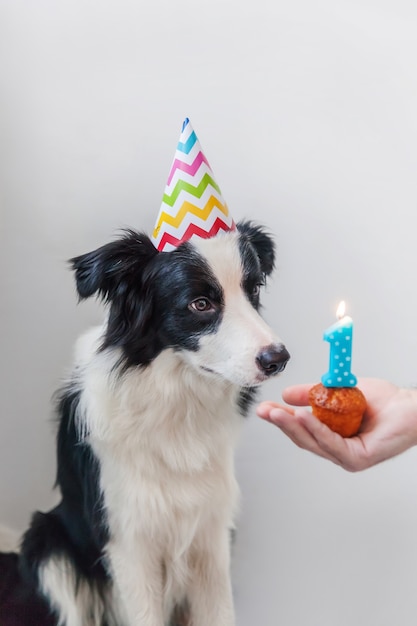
(273, 359)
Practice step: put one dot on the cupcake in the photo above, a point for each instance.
(340, 408)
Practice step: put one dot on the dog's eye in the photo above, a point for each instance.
(201, 305)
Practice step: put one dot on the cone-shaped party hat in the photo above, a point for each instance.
(192, 204)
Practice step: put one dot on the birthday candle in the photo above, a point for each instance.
(339, 335)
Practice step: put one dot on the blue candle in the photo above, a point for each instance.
(339, 335)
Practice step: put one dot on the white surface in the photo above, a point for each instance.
(307, 114)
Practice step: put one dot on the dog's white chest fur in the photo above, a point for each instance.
(165, 442)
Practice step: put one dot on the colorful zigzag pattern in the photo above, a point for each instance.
(192, 204)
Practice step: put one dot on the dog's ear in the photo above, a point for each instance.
(109, 269)
(262, 242)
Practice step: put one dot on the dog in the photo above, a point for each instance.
(147, 426)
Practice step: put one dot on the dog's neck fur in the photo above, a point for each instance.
(128, 414)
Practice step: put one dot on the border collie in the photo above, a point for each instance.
(148, 423)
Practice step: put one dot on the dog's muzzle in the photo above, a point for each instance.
(272, 359)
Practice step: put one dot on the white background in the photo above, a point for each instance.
(307, 112)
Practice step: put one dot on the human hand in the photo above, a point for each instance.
(389, 425)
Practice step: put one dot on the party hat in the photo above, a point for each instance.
(192, 205)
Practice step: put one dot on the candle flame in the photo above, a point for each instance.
(341, 310)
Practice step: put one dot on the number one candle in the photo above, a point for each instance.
(340, 338)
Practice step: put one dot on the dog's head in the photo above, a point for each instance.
(201, 299)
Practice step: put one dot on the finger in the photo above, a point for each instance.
(293, 425)
(297, 394)
(264, 408)
(349, 453)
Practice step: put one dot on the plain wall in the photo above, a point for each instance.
(306, 111)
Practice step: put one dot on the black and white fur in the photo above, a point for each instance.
(148, 424)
